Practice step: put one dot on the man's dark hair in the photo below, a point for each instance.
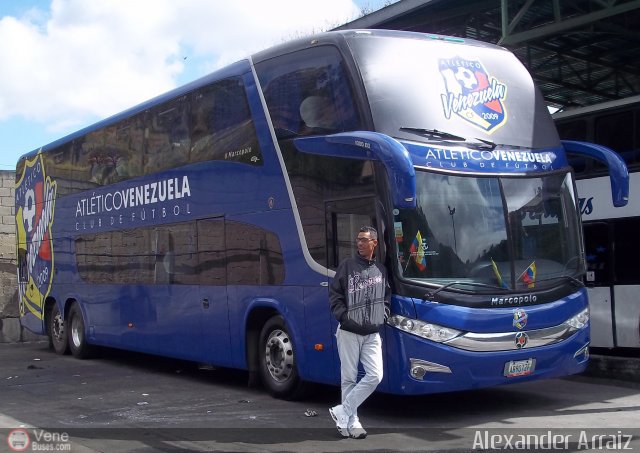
(369, 229)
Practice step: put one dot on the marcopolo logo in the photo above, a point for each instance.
(514, 300)
(472, 94)
(35, 200)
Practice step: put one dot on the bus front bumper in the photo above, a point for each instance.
(419, 366)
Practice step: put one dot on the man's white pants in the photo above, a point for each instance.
(353, 349)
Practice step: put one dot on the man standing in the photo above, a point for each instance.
(359, 297)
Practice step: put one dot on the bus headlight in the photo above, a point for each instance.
(433, 332)
(580, 320)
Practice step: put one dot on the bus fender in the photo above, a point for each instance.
(258, 312)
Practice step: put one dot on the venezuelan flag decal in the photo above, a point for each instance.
(35, 200)
(417, 252)
(529, 275)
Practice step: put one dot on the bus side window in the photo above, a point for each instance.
(105, 156)
(129, 142)
(92, 263)
(168, 141)
(626, 251)
(201, 124)
(254, 255)
(134, 260)
(283, 98)
(221, 126)
(212, 264)
(344, 218)
(175, 249)
(343, 245)
(92, 163)
(597, 252)
(60, 167)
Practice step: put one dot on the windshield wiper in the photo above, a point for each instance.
(446, 136)
(487, 143)
(431, 295)
(433, 133)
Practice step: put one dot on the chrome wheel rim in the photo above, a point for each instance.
(279, 355)
(57, 328)
(76, 332)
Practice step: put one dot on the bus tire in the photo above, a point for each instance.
(58, 339)
(278, 369)
(78, 345)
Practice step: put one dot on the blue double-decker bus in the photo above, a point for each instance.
(207, 223)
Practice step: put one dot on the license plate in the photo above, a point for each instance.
(519, 367)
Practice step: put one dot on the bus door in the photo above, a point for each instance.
(598, 280)
(212, 290)
(343, 220)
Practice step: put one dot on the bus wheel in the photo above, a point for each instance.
(277, 361)
(56, 331)
(77, 336)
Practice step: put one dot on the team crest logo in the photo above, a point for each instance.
(35, 200)
(520, 318)
(521, 340)
(472, 94)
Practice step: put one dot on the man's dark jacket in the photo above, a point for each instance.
(358, 295)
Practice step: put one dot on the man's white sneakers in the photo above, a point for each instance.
(341, 418)
(356, 430)
(347, 427)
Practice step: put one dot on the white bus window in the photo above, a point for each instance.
(627, 250)
(598, 253)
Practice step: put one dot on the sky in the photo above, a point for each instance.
(69, 63)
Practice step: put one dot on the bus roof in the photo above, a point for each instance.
(336, 37)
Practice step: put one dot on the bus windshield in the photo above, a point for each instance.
(510, 233)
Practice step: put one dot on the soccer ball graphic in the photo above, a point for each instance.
(467, 78)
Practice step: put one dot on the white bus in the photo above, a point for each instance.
(611, 235)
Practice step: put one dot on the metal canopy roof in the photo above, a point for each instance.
(579, 52)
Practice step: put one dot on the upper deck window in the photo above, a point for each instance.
(211, 123)
(308, 92)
